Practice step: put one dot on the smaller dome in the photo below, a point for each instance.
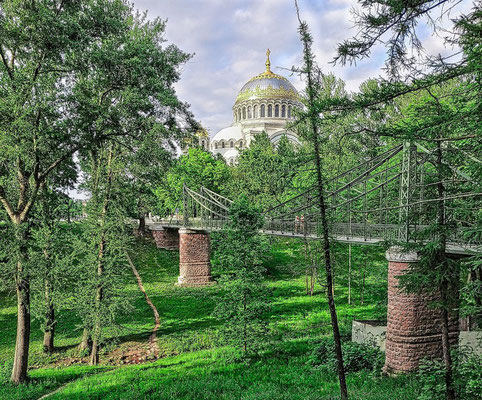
(231, 153)
(232, 132)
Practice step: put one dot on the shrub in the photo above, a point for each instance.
(467, 374)
(356, 356)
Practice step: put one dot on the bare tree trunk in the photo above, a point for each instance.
(49, 331)
(22, 284)
(307, 270)
(141, 229)
(86, 340)
(313, 278)
(94, 355)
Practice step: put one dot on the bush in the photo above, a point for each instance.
(467, 374)
(356, 356)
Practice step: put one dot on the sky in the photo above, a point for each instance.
(229, 38)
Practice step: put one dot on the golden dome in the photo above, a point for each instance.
(267, 85)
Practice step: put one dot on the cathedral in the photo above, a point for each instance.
(265, 103)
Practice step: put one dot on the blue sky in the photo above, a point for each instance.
(230, 37)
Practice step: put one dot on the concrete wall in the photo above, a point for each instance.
(373, 333)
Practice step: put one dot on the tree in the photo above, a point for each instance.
(266, 173)
(43, 47)
(145, 168)
(51, 248)
(246, 299)
(136, 106)
(313, 118)
(100, 249)
(66, 68)
(443, 109)
(194, 169)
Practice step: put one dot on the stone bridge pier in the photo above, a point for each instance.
(166, 237)
(413, 326)
(194, 258)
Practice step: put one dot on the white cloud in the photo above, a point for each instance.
(230, 37)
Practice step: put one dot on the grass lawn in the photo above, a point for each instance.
(195, 362)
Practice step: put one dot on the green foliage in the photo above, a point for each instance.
(356, 357)
(269, 174)
(5, 371)
(246, 300)
(467, 378)
(194, 169)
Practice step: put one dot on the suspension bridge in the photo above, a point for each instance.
(392, 197)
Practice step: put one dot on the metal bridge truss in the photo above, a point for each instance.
(391, 197)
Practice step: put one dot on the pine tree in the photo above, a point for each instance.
(246, 299)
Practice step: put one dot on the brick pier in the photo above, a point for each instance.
(194, 264)
(413, 327)
(166, 237)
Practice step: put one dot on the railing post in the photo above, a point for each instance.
(407, 186)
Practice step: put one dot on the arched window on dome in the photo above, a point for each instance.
(289, 111)
(203, 144)
(222, 145)
(240, 144)
(239, 115)
(216, 145)
(249, 112)
(231, 144)
(270, 110)
(255, 112)
(283, 111)
(263, 112)
(276, 110)
(244, 112)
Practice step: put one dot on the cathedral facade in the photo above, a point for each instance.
(265, 103)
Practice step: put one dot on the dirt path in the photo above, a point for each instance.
(153, 347)
(54, 392)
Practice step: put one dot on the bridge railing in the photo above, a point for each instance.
(394, 196)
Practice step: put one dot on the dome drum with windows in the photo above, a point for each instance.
(265, 103)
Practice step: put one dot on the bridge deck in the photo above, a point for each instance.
(452, 247)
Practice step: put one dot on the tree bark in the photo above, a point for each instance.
(94, 355)
(86, 342)
(141, 230)
(22, 283)
(49, 331)
(349, 274)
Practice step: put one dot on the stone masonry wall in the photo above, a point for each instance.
(166, 238)
(194, 254)
(413, 327)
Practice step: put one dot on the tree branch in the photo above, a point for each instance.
(5, 63)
